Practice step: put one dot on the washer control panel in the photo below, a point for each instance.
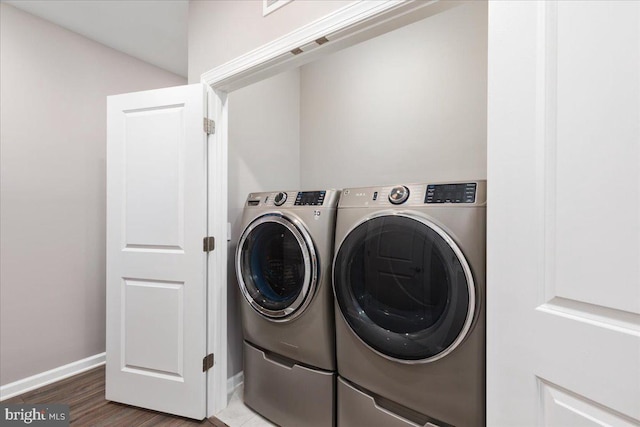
(290, 199)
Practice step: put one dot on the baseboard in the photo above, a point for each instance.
(234, 382)
(39, 380)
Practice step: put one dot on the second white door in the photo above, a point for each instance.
(156, 266)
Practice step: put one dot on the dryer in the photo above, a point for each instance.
(283, 265)
(409, 284)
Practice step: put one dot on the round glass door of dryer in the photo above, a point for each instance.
(276, 265)
(404, 288)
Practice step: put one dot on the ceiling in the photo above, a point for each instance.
(154, 31)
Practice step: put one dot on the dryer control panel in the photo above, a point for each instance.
(451, 193)
(468, 193)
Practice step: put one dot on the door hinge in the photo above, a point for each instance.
(208, 244)
(207, 362)
(209, 126)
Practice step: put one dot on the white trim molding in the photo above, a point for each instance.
(348, 24)
(217, 276)
(40, 380)
(269, 6)
(234, 382)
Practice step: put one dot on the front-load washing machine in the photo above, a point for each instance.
(409, 284)
(283, 265)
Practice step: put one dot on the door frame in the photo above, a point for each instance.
(351, 24)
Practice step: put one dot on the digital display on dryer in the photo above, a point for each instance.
(310, 198)
(451, 193)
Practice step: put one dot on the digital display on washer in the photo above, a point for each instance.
(310, 198)
(451, 193)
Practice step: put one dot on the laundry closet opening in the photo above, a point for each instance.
(407, 106)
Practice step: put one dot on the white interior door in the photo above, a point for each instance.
(156, 266)
(563, 310)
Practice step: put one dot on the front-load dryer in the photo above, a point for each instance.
(409, 283)
(283, 265)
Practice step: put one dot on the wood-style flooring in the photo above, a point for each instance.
(84, 393)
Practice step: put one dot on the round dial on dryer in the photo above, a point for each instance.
(280, 199)
(398, 194)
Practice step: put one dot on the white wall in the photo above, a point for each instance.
(52, 188)
(264, 148)
(407, 106)
(220, 31)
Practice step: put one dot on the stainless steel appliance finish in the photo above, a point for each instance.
(283, 265)
(288, 393)
(409, 284)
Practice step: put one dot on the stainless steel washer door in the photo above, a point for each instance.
(404, 288)
(276, 264)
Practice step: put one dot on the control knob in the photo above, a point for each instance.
(280, 198)
(398, 195)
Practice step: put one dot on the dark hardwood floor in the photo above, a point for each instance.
(84, 393)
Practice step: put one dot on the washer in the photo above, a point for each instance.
(409, 284)
(283, 265)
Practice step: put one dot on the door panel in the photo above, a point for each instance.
(150, 307)
(563, 338)
(156, 269)
(596, 152)
(154, 203)
(562, 408)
